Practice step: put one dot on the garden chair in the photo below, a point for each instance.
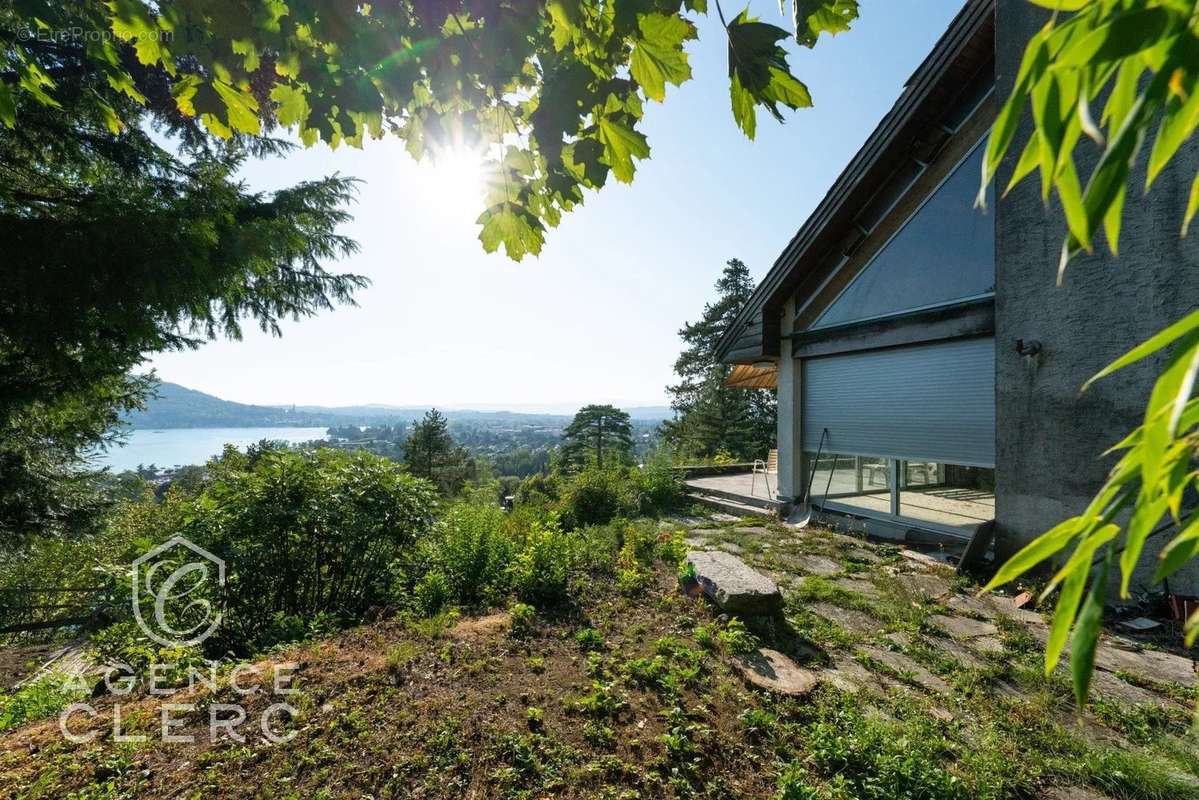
(766, 468)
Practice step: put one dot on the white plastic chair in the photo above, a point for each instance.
(766, 468)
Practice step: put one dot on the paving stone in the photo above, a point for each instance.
(709, 532)
(1152, 664)
(986, 644)
(850, 676)
(696, 541)
(730, 547)
(859, 586)
(970, 604)
(850, 619)
(907, 667)
(1072, 793)
(962, 628)
(862, 554)
(819, 565)
(932, 560)
(734, 585)
(1109, 686)
(926, 585)
(771, 670)
(958, 652)
(758, 531)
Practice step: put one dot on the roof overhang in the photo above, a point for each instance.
(913, 125)
(751, 376)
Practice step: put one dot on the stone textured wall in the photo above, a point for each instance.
(1049, 437)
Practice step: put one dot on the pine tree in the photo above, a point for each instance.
(429, 445)
(709, 416)
(597, 433)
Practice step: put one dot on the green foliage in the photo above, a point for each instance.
(589, 639)
(304, 533)
(523, 617)
(567, 81)
(470, 549)
(713, 421)
(430, 453)
(540, 571)
(125, 645)
(1140, 57)
(597, 432)
(659, 486)
(38, 699)
(596, 496)
(432, 592)
(736, 638)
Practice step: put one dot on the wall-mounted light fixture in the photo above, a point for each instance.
(1030, 348)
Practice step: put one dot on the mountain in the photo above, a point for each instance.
(177, 406)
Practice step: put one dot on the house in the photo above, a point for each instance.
(921, 344)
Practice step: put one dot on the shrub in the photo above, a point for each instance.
(589, 639)
(596, 496)
(432, 593)
(540, 571)
(470, 549)
(124, 643)
(522, 615)
(302, 533)
(660, 490)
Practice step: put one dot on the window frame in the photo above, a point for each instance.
(816, 325)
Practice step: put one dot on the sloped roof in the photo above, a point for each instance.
(929, 94)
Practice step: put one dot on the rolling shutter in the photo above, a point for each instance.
(933, 402)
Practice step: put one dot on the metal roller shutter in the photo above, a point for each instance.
(933, 402)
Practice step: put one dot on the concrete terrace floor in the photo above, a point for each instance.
(908, 635)
(953, 508)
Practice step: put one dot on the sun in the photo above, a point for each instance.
(454, 177)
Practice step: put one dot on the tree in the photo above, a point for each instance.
(709, 416)
(1142, 56)
(430, 453)
(550, 93)
(594, 432)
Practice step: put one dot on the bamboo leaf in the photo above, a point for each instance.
(1125, 35)
(1036, 551)
(1166, 403)
(1063, 617)
(1086, 635)
(1181, 549)
(1144, 517)
(1173, 333)
(1192, 206)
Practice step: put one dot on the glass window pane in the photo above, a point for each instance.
(945, 252)
(946, 494)
(857, 481)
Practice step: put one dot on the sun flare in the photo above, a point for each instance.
(455, 177)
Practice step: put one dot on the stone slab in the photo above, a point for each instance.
(859, 586)
(733, 585)
(962, 628)
(928, 586)
(819, 565)
(771, 670)
(850, 619)
(1152, 664)
(908, 668)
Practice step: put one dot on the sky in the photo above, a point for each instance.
(594, 318)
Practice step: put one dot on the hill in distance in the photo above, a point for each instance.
(177, 406)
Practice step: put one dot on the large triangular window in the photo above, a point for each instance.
(944, 253)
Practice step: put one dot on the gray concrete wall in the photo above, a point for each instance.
(1049, 437)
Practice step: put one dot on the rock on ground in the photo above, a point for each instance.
(733, 585)
(771, 670)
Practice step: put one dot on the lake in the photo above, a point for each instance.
(178, 446)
